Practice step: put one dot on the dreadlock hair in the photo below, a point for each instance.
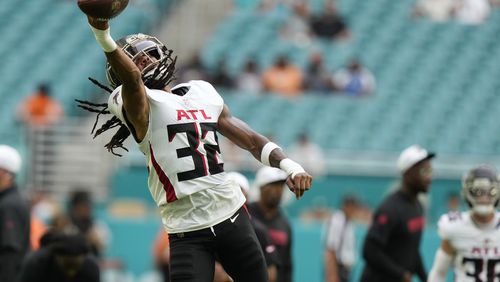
(161, 77)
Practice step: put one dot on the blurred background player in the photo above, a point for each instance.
(340, 251)
(80, 212)
(391, 247)
(471, 239)
(14, 216)
(271, 182)
(202, 212)
(62, 257)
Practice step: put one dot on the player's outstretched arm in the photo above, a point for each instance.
(442, 262)
(263, 150)
(133, 91)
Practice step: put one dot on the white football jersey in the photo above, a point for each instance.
(183, 157)
(477, 249)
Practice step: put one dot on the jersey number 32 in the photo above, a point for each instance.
(204, 164)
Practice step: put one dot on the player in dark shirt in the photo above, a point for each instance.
(391, 248)
(271, 183)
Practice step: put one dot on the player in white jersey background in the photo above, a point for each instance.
(176, 129)
(471, 240)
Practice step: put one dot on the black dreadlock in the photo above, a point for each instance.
(122, 133)
(161, 77)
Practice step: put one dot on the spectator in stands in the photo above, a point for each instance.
(193, 70)
(355, 80)
(62, 257)
(283, 78)
(340, 249)
(161, 253)
(221, 77)
(436, 10)
(267, 210)
(81, 216)
(472, 12)
(296, 26)
(391, 248)
(311, 155)
(329, 24)
(14, 216)
(317, 79)
(249, 80)
(40, 109)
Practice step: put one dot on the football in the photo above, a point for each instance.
(102, 9)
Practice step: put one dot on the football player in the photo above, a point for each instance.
(176, 129)
(471, 240)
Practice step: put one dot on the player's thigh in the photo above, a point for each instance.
(191, 260)
(240, 253)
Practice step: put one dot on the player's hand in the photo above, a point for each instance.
(98, 23)
(299, 184)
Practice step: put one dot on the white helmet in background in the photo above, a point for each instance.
(10, 160)
(239, 179)
(480, 189)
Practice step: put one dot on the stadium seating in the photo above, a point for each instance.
(50, 42)
(436, 82)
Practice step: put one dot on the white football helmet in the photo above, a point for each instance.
(480, 189)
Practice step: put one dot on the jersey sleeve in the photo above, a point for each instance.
(115, 103)
(447, 225)
(115, 106)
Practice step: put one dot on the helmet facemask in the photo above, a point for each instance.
(481, 191)
(159, 72)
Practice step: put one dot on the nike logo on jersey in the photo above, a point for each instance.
(234, 218)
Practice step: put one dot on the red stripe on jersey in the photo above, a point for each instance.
(203, 160)
(167, 186)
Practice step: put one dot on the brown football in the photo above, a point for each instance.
(102, 9)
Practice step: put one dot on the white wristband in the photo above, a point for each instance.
(266, 151)
(291, 167)
(104, 39)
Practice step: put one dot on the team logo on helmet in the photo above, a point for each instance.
(480, 189)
